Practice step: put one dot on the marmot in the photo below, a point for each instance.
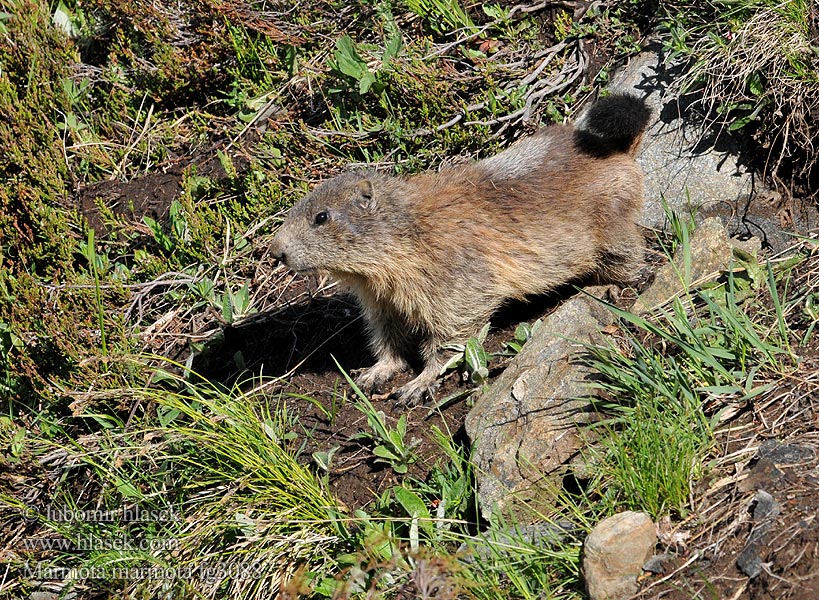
(430, 257)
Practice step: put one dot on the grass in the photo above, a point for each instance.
(673, 372)
(238, 498)
(756, 63)
(244, 110)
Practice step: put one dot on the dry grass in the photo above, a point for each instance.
(759, 62)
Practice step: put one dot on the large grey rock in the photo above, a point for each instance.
(693, 162)
(614, 554)
(525, 424)
(684, 161)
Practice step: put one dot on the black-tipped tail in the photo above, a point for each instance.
(613, 124)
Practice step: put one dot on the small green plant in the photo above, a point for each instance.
(443, 16)
(12, 440)
(10, 343)
(523, 333)
(680, 228)
(449, 487)
(96, 264)
(339, 399)
(235, 305)
(517, 27)
(348, 62)
(471, 356)
(811, 313)
(391, 445)
(563, 25)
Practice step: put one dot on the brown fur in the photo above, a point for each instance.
(431, 257)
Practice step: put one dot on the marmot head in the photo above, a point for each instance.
(339, 227)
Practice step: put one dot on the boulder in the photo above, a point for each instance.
(525, 425)
(694, 164)
(686, 162)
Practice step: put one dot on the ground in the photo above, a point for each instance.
(326, 121)
(315, 324)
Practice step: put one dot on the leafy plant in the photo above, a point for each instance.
(443, 16)
(391, 445)
(235, 305)
(471, 356)
(348, 62)
(523, 333)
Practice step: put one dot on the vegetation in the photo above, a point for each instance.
(148, 151)
(756, 64)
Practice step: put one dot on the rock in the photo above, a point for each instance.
(614, 554)
(785, 454)
(765, 507)
(763, 217)
(685, 162)
(765, 512)
(763, 474)
(524, 425)
(711, 253)
(690, 164)
(658, 564)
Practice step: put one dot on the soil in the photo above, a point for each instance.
(152, 194)
(305, 338)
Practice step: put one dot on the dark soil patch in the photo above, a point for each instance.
(151, 195)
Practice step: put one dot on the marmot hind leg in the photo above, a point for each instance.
(621, 263)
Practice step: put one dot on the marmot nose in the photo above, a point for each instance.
(277, 252)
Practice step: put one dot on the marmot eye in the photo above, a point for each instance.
(320, 218)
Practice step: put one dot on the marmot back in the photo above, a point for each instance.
(431, 257)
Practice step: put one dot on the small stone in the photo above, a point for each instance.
(785, 454)
(614, 554)
(763, 474)
(710, 253)
(765, 511)
(765, 507)
(657, 564)
(749, 561)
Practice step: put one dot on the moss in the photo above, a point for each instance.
(37, 61)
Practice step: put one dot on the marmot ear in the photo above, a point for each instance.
(366, 199)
